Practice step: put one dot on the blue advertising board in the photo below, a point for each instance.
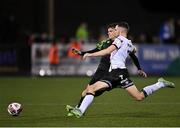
(155, 59)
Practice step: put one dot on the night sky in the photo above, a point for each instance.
(142, 15)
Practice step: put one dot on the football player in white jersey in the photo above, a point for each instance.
(118, 75)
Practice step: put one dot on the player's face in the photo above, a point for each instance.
(112, 33)
(117, 29)
(120, 29)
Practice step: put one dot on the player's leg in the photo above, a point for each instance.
(78, 112)
(135, 93)
(99, 74)
(128, 85)
(148, 90)
(69, 108)
(97, 93)
(83, 94)
(90, 94)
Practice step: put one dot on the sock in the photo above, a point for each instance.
(86, 102)
(80, 101)
(148, 90)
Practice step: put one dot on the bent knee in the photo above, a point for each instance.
(84, 93)
(90, 89)
(139, 98)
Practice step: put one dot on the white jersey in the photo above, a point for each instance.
(118, 56)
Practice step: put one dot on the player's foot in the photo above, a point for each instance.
(166, 83)
(77, 112)
(69, 108)
(70, 114)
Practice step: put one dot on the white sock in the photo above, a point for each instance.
(152, 88)
(86, 102)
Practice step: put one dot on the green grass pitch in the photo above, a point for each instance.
(44, 100)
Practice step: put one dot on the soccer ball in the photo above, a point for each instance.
(14, 109)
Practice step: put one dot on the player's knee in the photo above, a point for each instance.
(84, 93)
(91, 89)
(139, 98)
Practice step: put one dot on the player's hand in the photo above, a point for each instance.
(86, 55)
(142, 73)
(76, 51)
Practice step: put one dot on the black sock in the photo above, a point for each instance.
(80, 101)
(144, 92)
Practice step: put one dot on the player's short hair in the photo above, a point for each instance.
(112, 25)
(124, 25)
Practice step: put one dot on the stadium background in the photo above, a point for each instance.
(59, 20)
(27, 29)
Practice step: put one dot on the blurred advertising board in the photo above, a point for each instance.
(158, 59)
(67, 66)
(154, 59)
(14, 59)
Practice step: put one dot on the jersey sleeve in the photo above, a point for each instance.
(117, 42)
(100, 45)
(132, 48)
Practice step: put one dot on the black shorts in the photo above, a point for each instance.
(118, 78)
(99, 74)
(102, 70)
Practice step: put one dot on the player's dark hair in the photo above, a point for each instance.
(112, 25)
(124, 25)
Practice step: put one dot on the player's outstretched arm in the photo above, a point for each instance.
(101, 53)
(99, 46)
(81, 53)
